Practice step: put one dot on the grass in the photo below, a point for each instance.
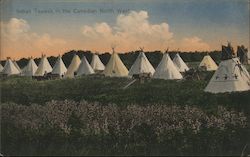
(37, 125)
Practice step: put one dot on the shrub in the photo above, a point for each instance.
(82, 128)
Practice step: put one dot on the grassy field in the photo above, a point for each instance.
(96, 116)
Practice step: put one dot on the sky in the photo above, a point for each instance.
(52, 27)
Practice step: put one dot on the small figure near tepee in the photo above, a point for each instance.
(231, 75)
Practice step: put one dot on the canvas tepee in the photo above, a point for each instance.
(30, 68)
(180, 64)
(208, 63)
(59, 67)
(231, 76)
(73, 66)
(43, 67)
(17, 66)
(141, 65)
(115, 67)
(1, 68)
(10, 68)
(166, 69)
(96, 63)
(84, 68)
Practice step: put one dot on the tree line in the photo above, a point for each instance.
(127, 58)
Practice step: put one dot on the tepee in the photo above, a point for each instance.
(96, 63)
(1, 68)
(43, 67)
(166, 69)
(17, 66)
(10, 68)
(73, 66)
(30, 68)
(208, 63)
(231, 76)
(115, 67)
(59, 67)
(84, 68)
(141, 65)
(180, 64)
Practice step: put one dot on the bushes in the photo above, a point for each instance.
(71, 128)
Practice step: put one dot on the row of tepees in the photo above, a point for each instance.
(230, 75)
(167, 69)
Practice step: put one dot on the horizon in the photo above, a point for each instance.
(30, 28)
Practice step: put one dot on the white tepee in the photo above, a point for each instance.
(17, 66)
(166, 69)
(30, 68)
(1, 68)
(141, 65)
(84, 68)
(10, 68)
(43, 67)
(180, 64)
(96, 63)
(115, 67)
(59, 67)
(73, 66)
(231, 76)
(208, 63)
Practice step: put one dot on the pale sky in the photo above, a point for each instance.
(52, 27)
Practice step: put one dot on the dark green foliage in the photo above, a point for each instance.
(30, 129)
(70, 128)
(127, 58)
